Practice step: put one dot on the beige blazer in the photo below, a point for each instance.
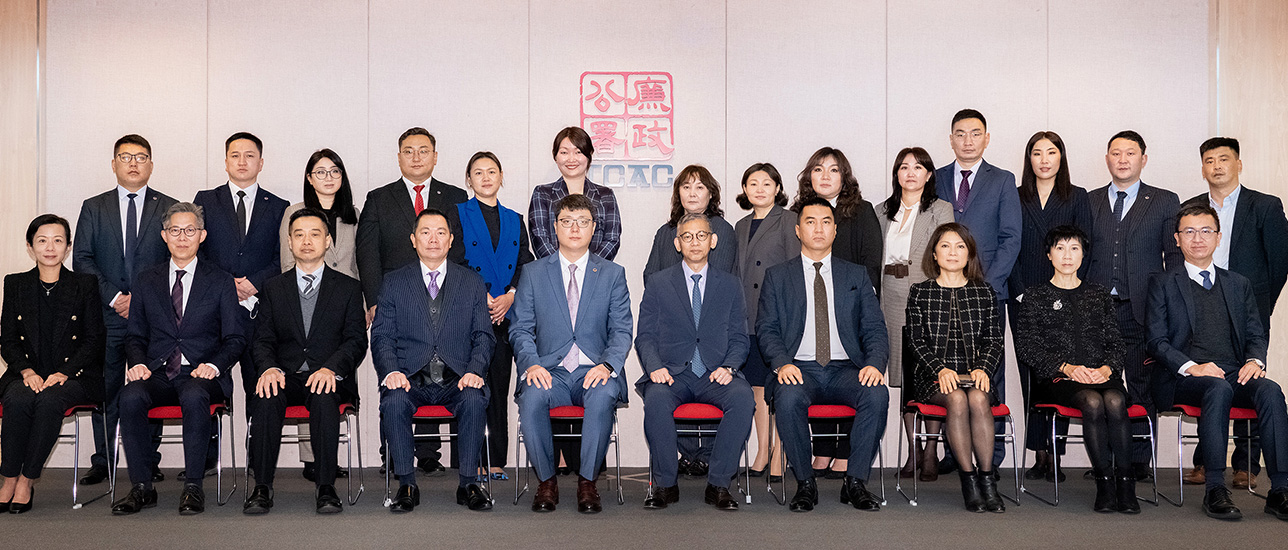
(940, 212)
(342, 256)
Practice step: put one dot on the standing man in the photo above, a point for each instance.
(1257, 235)
(432, 343)
(575, 353)
(311, 338)
(1133, 227)
(821, 328)
(985, 200)
(692, 342)
(184, 335)
(388, 217)
(118, 235)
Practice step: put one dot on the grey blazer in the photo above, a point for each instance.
(343, 254)
(940, 212)
(775, 242)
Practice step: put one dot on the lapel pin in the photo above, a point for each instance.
(1057, 305)
(594, 270)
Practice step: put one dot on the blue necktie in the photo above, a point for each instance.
(1207, 280)
(696, 365)
(1118, 206)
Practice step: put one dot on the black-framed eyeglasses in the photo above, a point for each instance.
(688, 236)
(187, 231)
(140, 158)
(332, 173)
(581, 222)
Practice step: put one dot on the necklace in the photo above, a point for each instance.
(48, 288)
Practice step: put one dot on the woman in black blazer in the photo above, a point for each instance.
(955, 333)
(766, 237)
(52, 337)
(695, 191)
(1047, 200)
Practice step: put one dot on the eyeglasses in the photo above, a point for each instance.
(973, 135)
(423, 151)
(187, 231)
(1205, 232)
(688, 236)
(322, 174)
(140, 158)
(581, 222)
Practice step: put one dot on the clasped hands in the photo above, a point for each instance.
(38, 384)
(948, 380)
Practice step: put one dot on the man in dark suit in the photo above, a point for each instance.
(388, 216)
(432, 343)
(575, 354)
(311, 338)
(1132, 235)
(819, 320)
(985, 200)
(692, 341)
(184, 337)
(1210, 347)
(118, 235)
(1258, 236)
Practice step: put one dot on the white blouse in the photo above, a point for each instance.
(898, 241)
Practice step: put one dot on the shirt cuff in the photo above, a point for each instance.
(386, 379)
(114, 298)
(1185, 368)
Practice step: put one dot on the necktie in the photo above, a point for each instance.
(963, 191)
(822, 336)
(309, 289)
(433, 285)
(241, 214)
(131, 233)
(176, 298)
(1207, 279)
(420, 201)
(574, 296)
(696, 365)
(1118, 205)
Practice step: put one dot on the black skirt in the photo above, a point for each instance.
(1061, 390)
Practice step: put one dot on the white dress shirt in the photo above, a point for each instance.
(806, 352)
(188, 273)
(424, 191)
(581, 263)
(1225, 215)
(123, 200)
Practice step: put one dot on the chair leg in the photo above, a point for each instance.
(221, 498)
(1010, 436)
(519, 464)
(76, 505)
(1180, 466)
(781, 496)
(617, 452)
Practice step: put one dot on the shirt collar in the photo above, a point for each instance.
(1131, 191)
(974, 168)
(189, 270)
(123, 194)
(689, 273)
(1230, 200)
(250, 190)
(441, 271)
(809, 264)
(1193, 271)
(411, 186)
(580, 263)
(317, 275)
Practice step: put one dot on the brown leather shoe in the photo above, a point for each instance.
(1195, 476)
(587, 496)
(1242, 479)
(547, 495)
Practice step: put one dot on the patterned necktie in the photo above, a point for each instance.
(433, 285)
(241, 214)
(1118, 205)
(176, 299)
(696, 365)
(963, 191)
(420, 201)
(1207, 280)
(822, 334)
(571, 360)
(309, 289)
(131, 233)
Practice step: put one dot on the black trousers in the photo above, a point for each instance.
(1137, 375)
(193, 395)
(1216, 395)
(113, 381)
(32, 422)
(499, 374)
(268, 416)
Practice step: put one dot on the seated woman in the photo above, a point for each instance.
(52, 337)
(1067, 332)
(956, 337)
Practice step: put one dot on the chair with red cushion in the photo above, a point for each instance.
(1055, 412)
(570, 413)
(1189, 411)
(693, 416)
(75, 414)
(436, 414)
(299, 414)
(836, 414)
(219, 412)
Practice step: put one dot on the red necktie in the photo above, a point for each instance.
(420, 202)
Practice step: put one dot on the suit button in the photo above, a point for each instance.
(475, 243)
(73, 317)
(757, 262)
(73, 337)
(755, 285)
(699, 340)
(66, 359)
(511, 266)
(479, 269)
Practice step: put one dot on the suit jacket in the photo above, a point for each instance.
(78, 334)
(774, 242)
(1258, 241)
(667, 336)
(99, 247)
(403, 338)
(211, 331)
(1151, 243)
(1032, 267)
(940, 212)
(384, 229)
(603, 330)
(1171, 325)
(343, 254)
(337, 337)
(992, 215)
(859, 241)
(256, 256)
(781, 321)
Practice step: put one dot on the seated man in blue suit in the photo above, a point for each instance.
(692, 341)
(575, 354)
(184, 336)
(432, 342)
(1210, 346)
(820, 326)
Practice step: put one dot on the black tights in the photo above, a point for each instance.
(1106, 431)
(970, 426)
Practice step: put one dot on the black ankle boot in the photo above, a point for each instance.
(988, 489)
(970, 491)
(1127, 503)
(1106, 495)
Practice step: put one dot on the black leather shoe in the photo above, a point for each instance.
(1277, 504)
(474, 497)
(662, 496)
(806, 496)
(157, 476)
(23, 507)
(432, 468)
(1127, 502)
(720, 498)
(699, 468)
(4, 507)
(310, 472)
(95, 475)
(683, 467)
(855, 492)
(328, 502)
(192, 501)
(970, 491)
(1218, 504)
(405, 500)
(260, 501)
(138, 499)
(988, 490)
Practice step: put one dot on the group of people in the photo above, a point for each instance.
(1118, 296)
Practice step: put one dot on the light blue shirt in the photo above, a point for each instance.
(688, 280)
(317, 277)
(1225, 215)
(1127, 202)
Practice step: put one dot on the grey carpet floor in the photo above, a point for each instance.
(938, 522)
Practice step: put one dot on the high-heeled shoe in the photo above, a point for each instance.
(757, 473)
(16, 508)
(907, 471)
(4, 507)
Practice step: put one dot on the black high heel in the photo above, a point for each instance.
(15, 508)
